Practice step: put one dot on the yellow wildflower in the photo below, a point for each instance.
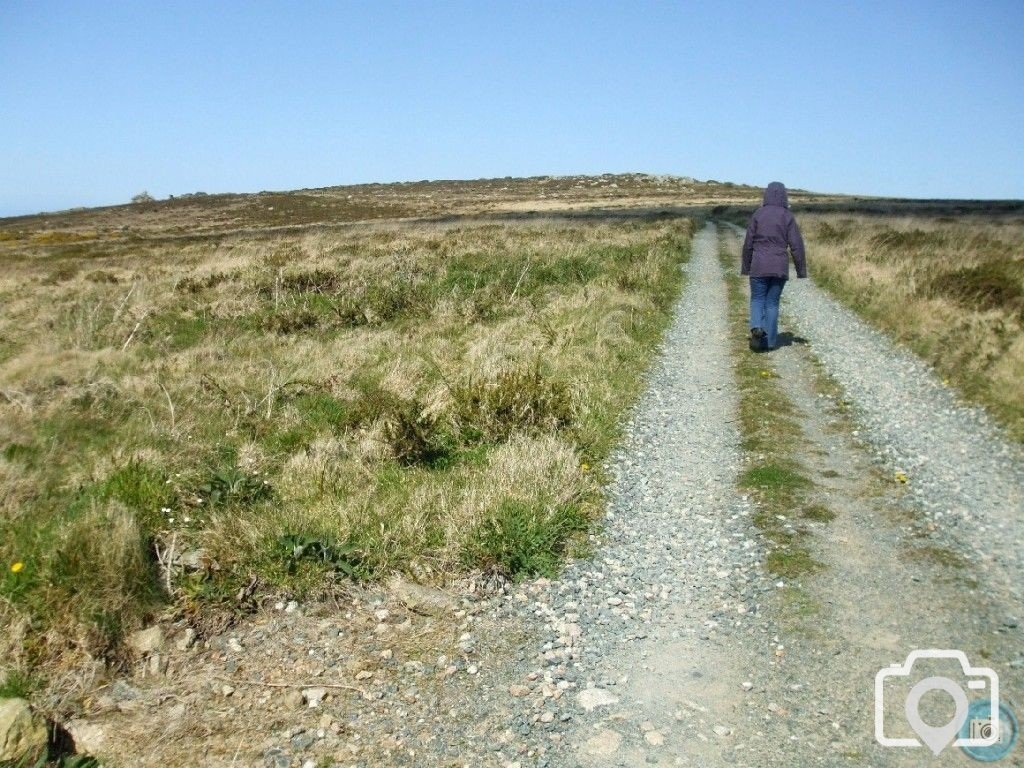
(17, 567)
(901, 477)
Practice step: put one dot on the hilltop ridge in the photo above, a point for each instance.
(200, 212)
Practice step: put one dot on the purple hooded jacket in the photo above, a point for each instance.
(773, 230)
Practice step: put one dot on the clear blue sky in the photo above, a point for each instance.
(100, 100)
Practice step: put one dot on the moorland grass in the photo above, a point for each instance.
(950, 287)
(180, 421)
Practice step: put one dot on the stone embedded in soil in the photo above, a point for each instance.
(314, 696)
(605, 742)
(275, 757)
(89, 738)
(302, 741)
(654, 738)
(421, 598)
(146, 641)
(186, 639)
(121, 691)
(23, 733)
(592, 698)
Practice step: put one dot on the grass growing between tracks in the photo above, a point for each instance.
(772, 439)
(196, 423)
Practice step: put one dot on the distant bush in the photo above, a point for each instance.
(908, 239)
(143, 197)
(828, 233)
(993, 284)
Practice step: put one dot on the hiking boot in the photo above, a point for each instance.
(756, 339)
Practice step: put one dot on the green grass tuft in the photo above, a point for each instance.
(522, 539)
(774, 480)
(792, 562)
(818, 512)
(18, 685)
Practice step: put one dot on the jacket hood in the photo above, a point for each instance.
(775, 194)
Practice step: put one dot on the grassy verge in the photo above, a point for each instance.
(187, 424)
(772, 439)
(951, 288)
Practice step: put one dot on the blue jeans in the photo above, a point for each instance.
(765, 293)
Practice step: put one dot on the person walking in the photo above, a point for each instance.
(772, 235)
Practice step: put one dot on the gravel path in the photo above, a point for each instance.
(964, 474)
(884, 590)
(659, 609)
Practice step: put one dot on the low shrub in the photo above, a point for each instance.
(234, 486)
(290, 320)
(196, 285)
(517, 399)
(414, 435)
(313, 281)
(832, 233)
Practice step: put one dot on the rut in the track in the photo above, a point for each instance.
(676, 519)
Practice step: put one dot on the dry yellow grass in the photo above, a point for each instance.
(299, 406)
(951, 287)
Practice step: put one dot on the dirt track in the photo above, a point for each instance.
(672, 644)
